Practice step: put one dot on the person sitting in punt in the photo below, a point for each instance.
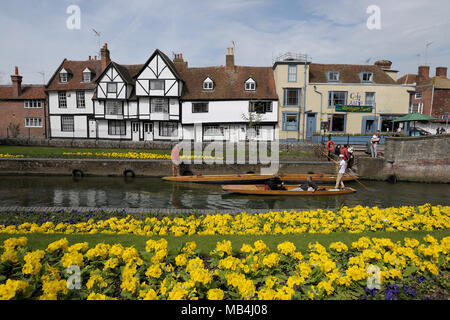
(308, 186)
(275, 183)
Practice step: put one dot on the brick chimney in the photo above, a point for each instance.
(441, 72)
(230, 59)
(423, 74)
(383, 64)
(178, 60)
(105, 56)
(16, 83)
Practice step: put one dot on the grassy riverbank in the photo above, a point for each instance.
(97, 153)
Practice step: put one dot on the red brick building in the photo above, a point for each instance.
(23, 109)
(432, 95)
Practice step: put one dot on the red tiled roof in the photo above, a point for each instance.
(28, 92)
(407, 79)
(228, 84)
(76, 81)
(349, 73)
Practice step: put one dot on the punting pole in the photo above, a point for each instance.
(337, 163)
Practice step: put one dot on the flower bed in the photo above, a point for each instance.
(7, 155)
(352, 220)
(133, 155)
(370, 268)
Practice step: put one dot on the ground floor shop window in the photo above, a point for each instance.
(116, 128)
(336, 122)
(213, 130)
(388, 125)
(168, 129)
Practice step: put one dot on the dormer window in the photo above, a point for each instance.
(208, 84)
(250, 85)
(87, 75)
(63, 77)
(333, 76)
(366, 76)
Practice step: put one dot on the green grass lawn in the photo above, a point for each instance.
(55, 152)
(207, 243)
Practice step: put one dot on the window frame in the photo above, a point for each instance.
(374, 99)
(115, 127)
(72, 125)
(37, 125)
(210, 84)
(108, 85)
(218, 130)
(65, 76)
(174, 126)
(81, 103)
(165, 107)
(89, 74)
(250, 85)
(284, 124)
(266, 109)
(62, 99)
(118, 105)
(286, 98)
(333, 72)
(332, 93)
(33, 104)
(154, 81)
(330, 121)
(362, 74)
(202, 103)
(418, 97)
(290, 67)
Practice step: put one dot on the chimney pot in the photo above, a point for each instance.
(105, 56)
(16, 80)
(441, 72)
(229, 59)
(95, 57)
(423, 74)
(89, 57)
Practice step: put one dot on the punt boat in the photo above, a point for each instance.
(261, 190)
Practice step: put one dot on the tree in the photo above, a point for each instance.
(14, 129)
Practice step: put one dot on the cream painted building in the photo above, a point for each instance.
(340, 98)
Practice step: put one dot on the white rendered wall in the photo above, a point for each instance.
(225, 111)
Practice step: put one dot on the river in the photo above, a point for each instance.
(33, 191)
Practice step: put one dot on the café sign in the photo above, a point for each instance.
(352, 108)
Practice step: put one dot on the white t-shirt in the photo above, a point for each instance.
(343, 166)
(375, 139)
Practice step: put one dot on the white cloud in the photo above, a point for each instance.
(331, 31)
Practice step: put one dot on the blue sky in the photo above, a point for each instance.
(35, 37)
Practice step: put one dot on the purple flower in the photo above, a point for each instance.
(421, 278)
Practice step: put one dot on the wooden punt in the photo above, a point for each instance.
(222, 178)
(260, 190)
(316, 177)
(256, 178)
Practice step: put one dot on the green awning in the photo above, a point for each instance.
(415, 117)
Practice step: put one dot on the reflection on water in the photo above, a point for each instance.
(154, 193)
